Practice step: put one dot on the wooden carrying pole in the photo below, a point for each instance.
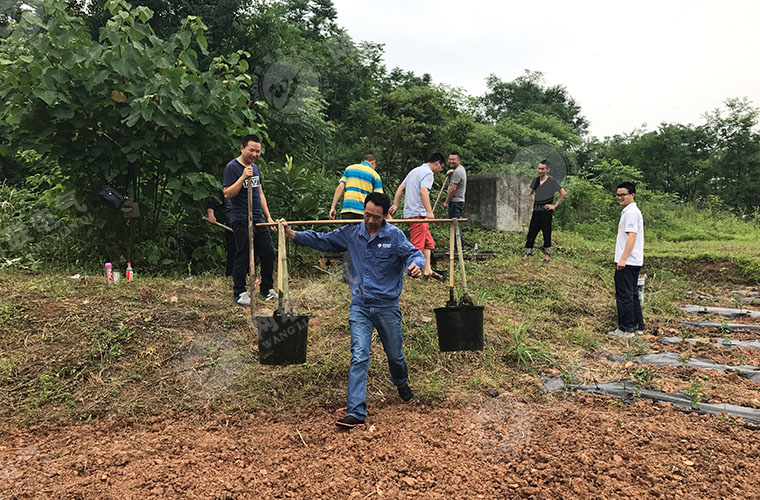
(353, 221)
(282, 271)
(220, 225)
(452, 301)
(251, 263)
(443, 188)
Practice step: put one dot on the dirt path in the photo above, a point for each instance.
(579, 446)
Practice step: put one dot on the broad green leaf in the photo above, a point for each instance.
(189, 60)
(174, 183)
(181, 107)
(48, 96)
(31, 18)
(202, 42)
(120, 66)
(195, 156)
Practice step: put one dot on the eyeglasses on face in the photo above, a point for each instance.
(621, 195)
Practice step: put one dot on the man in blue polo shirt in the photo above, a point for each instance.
(238, 174)
(381, 254)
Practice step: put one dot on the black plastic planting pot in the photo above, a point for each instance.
(282, 339)
(460, 328)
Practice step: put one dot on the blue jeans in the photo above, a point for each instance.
(455, 212)
(362, 320)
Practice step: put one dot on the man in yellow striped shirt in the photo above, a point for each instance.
(358, 181)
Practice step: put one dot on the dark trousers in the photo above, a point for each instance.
(455, 212)
(262, 248)
(541, 220)
(629, 313)
(229, 245)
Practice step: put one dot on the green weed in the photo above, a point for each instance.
(641, 378)
(695, 393)
(636, 348)
(110, 344)
(526, 354)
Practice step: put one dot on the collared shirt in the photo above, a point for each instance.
(419, 177)
(360, 180)
(378, 263)
(631, 221)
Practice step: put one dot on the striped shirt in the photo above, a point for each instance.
(360, 180)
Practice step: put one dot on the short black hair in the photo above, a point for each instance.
(368, 157)
(379, 199)
(455, 153)
(630, 186)
(544, 162)
(250, 138)
(437, 157)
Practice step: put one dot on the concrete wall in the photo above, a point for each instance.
(498, 201)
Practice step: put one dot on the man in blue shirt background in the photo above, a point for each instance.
(380, 254)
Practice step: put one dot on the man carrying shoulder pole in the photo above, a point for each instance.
(381, 255)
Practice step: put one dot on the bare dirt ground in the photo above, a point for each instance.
(576, 446)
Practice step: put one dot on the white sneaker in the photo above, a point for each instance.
(620, 333)
(243, 299)
(271, 294)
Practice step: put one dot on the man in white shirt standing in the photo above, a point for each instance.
(629, 257)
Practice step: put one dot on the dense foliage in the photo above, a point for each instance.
(152, 100)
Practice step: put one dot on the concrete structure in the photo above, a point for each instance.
(498, 201)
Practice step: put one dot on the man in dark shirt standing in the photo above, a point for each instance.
(542, 191)
(237, 175)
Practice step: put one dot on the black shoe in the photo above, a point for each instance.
(349, 421)
(405, 392)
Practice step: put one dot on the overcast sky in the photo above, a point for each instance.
(626, 64)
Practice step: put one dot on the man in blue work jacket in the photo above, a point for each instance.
(380, 253)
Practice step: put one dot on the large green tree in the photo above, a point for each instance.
(507, 100)
(733, 168)
(131, 109)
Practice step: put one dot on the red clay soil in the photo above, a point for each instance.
(579, 446)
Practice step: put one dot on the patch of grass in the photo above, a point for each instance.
(637, 347)
(526, 353)
(523, 293)
(583, 338)
(110, 343)
(11, 313)
(7, 370)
